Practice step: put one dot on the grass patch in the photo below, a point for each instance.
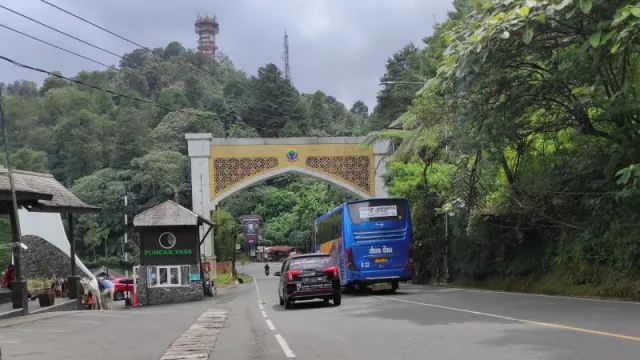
(607, 286)
(225, 279)
(222, 279)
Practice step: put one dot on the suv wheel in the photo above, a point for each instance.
(337, 299)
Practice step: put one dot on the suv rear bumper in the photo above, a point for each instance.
(294, 294)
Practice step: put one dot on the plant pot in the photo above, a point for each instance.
(47, 298)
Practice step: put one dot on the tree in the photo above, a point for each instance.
(169, 134)
(130, 139)
(394, 99)
(359, 108)
(274, 103)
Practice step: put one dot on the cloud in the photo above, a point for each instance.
(337, 46)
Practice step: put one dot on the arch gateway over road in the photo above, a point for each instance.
(221, 167)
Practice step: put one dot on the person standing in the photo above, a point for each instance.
(9, 277)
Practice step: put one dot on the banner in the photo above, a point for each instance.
(251, 229)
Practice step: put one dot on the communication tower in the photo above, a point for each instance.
(285, 55)
(207, 28)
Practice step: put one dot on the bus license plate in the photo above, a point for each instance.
(380, 260)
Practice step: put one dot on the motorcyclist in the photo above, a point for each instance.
(266, 267)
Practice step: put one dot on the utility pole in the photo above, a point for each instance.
(233, 247)
(19, 287)
(127, 297)
(447, 246)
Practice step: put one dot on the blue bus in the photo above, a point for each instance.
(370, 241)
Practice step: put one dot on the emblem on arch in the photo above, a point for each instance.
(292, 154)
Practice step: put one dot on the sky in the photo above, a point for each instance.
(337, 46)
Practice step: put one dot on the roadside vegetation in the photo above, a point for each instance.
(519, 154)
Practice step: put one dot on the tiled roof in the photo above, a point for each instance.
(55, 197)
(168, 213)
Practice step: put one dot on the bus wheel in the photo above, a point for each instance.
(349, 289)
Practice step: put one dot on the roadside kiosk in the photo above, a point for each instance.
(170, 268)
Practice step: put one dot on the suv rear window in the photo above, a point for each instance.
(311, 262)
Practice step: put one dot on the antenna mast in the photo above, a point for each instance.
(285, 55)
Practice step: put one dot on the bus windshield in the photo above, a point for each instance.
(377, 210)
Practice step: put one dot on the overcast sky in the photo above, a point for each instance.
(337, 46)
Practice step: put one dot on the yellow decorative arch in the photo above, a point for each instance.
(222, 167)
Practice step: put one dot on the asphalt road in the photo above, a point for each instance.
(427, 323)
(417, 322)
(137, 334)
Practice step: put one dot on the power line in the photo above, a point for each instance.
(110, 66)
(136, 44)
(67, 50)
(134, 98)
(61, 32)
(128, 60)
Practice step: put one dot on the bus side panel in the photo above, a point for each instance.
(339, 246)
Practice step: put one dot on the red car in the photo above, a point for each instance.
(123, 284)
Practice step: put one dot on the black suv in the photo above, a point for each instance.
(306, 277)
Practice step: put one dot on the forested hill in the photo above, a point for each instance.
(520, 153)
(102, 145)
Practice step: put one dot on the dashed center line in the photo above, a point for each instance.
(285, 347)
(281, 341)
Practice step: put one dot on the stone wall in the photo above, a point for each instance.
(43, 259)
(192, 291)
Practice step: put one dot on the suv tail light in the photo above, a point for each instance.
(350, 262)
(332, 271)
(292, 273)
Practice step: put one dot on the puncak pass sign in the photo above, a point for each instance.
(169, 252)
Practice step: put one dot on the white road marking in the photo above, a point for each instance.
(71, 321)
(532, 322)
(88, 313)
(255, 282)
(634, 303)
(40, 330)
(260, 305)
(270, 325)
(285, 347)
(264, 314)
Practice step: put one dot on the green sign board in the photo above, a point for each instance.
(168, 252)
(194, 277)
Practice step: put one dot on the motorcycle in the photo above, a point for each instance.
(266, 272)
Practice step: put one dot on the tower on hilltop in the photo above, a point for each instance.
(285, 56)
(207, 28)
